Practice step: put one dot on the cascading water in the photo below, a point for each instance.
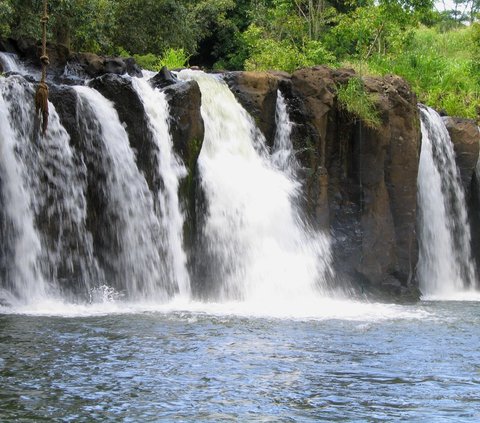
(171, 171)
(133, 235)
(254, 235)
(445, 265)
(283, 155)
(21, 251)
(9, 63)
(43, 193)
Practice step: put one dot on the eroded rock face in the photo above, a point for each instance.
(187, 129)
(257, 93)
(187, 133)
(465, 137)
(359, 182)
(132, 114)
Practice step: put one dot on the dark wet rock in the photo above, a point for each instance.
(359, 182)
(65, 100)
(187, 129)
(85, 64)
(465, 137)
(132, 68)
(257, 93)
(186, 122)
(163, 78)
(115, 65)
(131, 111)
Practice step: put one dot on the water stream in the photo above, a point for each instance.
(10, 63)
(171, 171)
(130, 228)
(445, 268)
(253, 230)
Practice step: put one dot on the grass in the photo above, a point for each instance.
(354, 99)
(440, 67)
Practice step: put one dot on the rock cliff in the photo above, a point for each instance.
(359, 183)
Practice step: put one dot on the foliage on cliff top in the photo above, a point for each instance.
(357, 101)
(382, 35)
(442, 68)
(171, 58)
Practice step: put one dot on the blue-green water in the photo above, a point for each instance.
(398, 363)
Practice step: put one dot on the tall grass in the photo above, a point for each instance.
(354, 98)
(440, 67)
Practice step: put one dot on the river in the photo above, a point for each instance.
(377, 363)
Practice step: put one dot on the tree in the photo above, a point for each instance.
(152, 26)
(6, 14)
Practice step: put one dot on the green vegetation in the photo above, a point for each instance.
(438, 52)
(354, 99)
(171, 58)
(440, 67)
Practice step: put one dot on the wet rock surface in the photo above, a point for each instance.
(359, 182)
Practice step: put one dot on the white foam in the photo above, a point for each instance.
(316, 309)
(466, 295)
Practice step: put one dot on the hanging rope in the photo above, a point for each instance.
(41, 96)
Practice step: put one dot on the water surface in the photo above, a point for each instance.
(397, 363)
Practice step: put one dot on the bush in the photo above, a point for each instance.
(440, 67)
(171, 58)
(354, 99)
(267, 53)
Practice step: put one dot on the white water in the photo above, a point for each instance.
(445, 268)
(133, 226)
(9, 63)
(254, 234)
(283, 155)
(61, 193)
(171, 170)
(42, 183)
(23, 241)
(315, 309)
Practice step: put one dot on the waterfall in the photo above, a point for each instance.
(260, 248)
(9, 63)
(44, 221)
(130, 228)
(171, 171)
(283, 154)
(21, 246)
(445, 265)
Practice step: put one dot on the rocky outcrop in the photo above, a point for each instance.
(257, 93)
(132, 114)
(68, 67)
(187, 133)
(465, 137)
(359, 182)
(92, 65)
(186, 127)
